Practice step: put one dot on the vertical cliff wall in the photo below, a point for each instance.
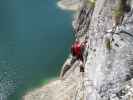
(109, 69)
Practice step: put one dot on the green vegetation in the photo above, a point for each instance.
(46, 81)
(108, 44)
(92, 2)
(118, 12)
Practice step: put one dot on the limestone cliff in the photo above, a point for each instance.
(109, 69)
(108, 56)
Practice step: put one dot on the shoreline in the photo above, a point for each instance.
(68, 5)
(43, 87)
(40, 92)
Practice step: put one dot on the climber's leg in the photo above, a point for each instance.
(81, 68)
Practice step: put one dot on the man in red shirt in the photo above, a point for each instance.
(77, 51)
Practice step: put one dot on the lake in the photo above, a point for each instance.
(35, 37)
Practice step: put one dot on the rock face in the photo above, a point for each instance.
(108, 57)
(109, 70)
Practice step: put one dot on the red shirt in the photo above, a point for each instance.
(76, 49)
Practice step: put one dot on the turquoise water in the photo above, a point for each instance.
(35, 37)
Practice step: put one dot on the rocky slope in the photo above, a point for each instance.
(68, 87)
(108, 57)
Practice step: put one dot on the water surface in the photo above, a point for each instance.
(35, 37)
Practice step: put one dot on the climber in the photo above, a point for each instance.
(77, 51)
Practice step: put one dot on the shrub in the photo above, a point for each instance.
(92, 2)
(119, 10)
